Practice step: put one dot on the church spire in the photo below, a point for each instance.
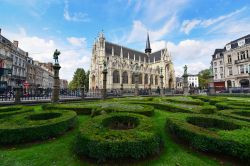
(148, 49)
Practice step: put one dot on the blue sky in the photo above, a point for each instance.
(191, 29)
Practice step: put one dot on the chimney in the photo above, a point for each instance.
(0, 31)
(27, 54)
(15, 42)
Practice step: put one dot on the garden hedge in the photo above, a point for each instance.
(14, 110)
(231, 105)
(212, 133)
(97, 108)
(237, 114)
(33, 126)
(104, 137)
(183, 100)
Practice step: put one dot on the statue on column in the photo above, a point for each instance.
(55, 56)
(185, 70)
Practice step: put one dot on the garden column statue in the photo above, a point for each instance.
(104, 72)
(185, 81)
(56, 86)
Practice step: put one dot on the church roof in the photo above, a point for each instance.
(125, 50)
(156, 55)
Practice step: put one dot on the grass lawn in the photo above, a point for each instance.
(59, 151)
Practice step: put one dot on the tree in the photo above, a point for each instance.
(80, 79)
(204, 78)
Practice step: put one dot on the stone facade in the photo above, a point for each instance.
(122, 64)
(231, 65)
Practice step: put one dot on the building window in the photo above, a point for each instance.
(220, 62)
(215, 70)
(116, 77)
(229, 59)
(151, 79)
(221, 69)
(246, 68)
(146, 79)
(156, 80)
(230, 71)
(140, 78)
(241, 69)
(242, 55)
(221, 75)
(124, 77)
(215, 63)
(215, 76)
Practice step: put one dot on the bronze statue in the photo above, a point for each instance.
(185, 69)
(55, 56)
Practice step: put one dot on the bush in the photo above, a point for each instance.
(229, 105)
(99, 139)
(213, 133)
(208, 109)
(96, 108)
(14, 110)
(184, 100)
(33, 126)
(237, 114)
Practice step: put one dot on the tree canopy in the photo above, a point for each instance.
(204, 78)
(80, 79)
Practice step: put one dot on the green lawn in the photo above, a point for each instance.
(59, 152)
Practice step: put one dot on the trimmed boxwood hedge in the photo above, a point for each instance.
(25, 128)
(237, 114)
(14, 110)
(212, 133)
(97, 108)
(231, 105)
(96, 139)
(183, 100)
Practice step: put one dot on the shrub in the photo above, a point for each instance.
(99, 139)
(184, 100)
(213, 133)
(8, 111)
(237, 114)
(208, 109)
(230, 105)
(35, 126)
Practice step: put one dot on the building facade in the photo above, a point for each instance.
(123, 63)
(231, 65)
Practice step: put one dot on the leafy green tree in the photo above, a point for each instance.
(204, 78)
(80, 79)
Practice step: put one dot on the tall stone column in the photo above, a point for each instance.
(82, 93)
(185, 81)
(104, 89)
(56, 86)
(161, 90)
(136, 84)
(18, 95)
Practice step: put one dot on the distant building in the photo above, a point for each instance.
(63, 84)
(193, 80)
(231, 65)
(122, 63)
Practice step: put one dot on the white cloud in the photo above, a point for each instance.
(76, 17)
(157, 10)
(189, 25)
(139, 31)
(77, 41)
(73, 55)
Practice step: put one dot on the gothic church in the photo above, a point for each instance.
(122, 63)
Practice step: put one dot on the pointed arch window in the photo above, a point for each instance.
(116, 77)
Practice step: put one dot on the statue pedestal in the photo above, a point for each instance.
(82, 93)
(104, 89)
(161, 90)
(18, 95)
(185, 84)
(56, 86)
(211, 89)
